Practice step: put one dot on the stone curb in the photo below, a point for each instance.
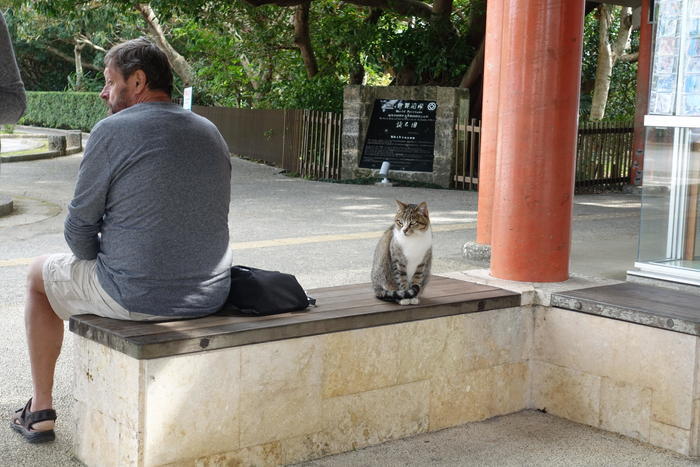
(22, 135)
(477, 252)
(5, 205)
(40, 155)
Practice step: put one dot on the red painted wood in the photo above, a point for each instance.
(537, 131)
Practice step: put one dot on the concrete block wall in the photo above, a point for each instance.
(297, 399)
(358, 102)
(623, 377)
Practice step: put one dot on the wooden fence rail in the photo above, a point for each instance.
(318, 144)
(603, 155)
(467, 146)
(308, 142)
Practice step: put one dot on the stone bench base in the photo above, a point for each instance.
(350, 373)
(627, 378)
(299, 398)
(288, 401)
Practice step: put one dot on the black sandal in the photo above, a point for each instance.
(24, 419)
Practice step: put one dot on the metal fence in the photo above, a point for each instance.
(603, 155)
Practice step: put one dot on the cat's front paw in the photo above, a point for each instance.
(415, 301)
(405, 301)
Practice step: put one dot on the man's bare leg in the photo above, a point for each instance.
(44, 338)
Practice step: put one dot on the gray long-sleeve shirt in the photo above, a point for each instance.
(12, 98)
(151, 205)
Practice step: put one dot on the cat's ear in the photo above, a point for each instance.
(400, 205)
(423, 208)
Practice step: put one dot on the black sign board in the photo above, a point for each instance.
(401, 132)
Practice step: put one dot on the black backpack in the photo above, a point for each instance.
(259, 292)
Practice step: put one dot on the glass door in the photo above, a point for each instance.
(669, 240)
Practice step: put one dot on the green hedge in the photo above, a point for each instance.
(69, 110)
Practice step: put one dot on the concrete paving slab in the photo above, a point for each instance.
(6, 205)
(524, 438)
(20, 144)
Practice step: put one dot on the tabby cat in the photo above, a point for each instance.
(401, 266)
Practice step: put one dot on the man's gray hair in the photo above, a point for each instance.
(142, 54)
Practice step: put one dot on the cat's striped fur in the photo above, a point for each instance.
(402, 259)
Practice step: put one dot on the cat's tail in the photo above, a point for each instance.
(396, 295)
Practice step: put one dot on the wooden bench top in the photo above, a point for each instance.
(340, 308)
(657, 307)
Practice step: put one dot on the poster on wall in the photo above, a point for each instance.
(662, 99)
(690, 81)
(675, 80)
(401, 132)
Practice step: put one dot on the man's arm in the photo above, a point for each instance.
(12, 99)
(87, 208)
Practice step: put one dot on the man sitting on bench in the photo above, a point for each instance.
(148, 224)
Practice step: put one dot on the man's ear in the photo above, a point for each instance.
(139, 79)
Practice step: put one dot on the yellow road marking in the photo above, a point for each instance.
(597, 217)
(336, 237)
(15, 262)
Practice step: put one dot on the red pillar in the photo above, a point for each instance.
(537, 129)
(489, 119)
(642, 101)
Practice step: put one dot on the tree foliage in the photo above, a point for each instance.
(71, 37)
(623, 79)
(248, 53)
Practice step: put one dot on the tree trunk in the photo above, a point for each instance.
(357, 71)
(441, 10)
(477, 22)
(608, 54)
(68, 58)
(259, 79)
(262, 80)
(302, 38)
(406, 76)
(249, 70)
(177, 61)
(443, 31)
(475, 70)
(83, 41)
(77, 55)
(603, 66)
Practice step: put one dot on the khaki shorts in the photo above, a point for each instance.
(72, 288)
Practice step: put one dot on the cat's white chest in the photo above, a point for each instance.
(414, 248)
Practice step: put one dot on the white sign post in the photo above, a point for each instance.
(187, 98)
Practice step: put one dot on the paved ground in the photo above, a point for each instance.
(19, 144)
(325, 234)
(527, 438)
